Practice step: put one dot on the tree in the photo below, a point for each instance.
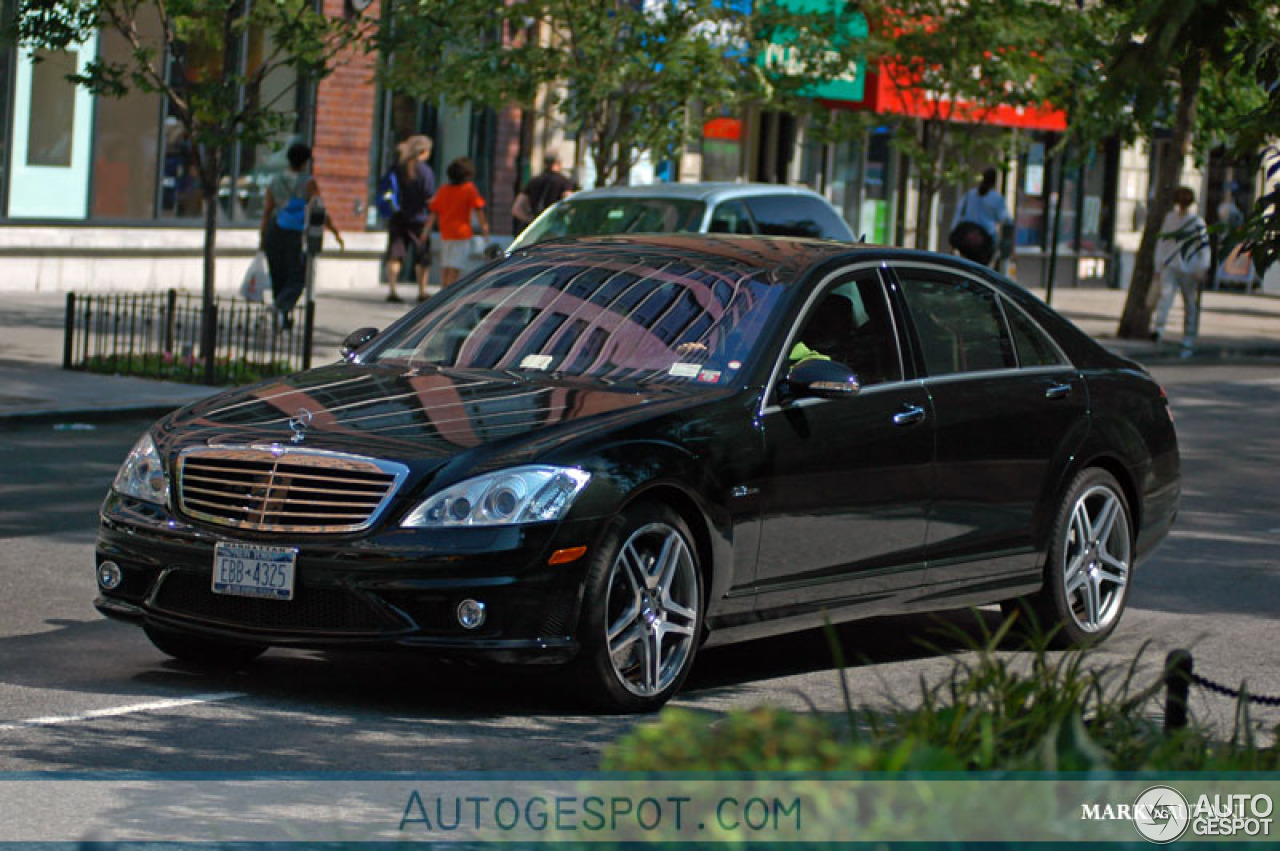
(626, 77)
(1158, 64)
(952, 66)
(188, 52)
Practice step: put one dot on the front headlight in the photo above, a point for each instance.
(142, 475)
(518, 495)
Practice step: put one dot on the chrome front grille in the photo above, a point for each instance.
(285, 490)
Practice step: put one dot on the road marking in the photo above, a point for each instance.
(1220, 536)
(112, 711)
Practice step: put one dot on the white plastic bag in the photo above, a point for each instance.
(257, 279)
(478, 245)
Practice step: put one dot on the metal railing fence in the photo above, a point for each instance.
(157, 335)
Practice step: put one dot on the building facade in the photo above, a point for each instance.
(98, 193)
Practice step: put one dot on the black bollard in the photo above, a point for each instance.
(1177, 680)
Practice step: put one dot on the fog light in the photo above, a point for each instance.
(110, 575)
(471, 614)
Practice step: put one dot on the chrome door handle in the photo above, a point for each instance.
(910, 415)
(1058, 391)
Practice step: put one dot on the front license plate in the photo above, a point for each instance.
(252, 570)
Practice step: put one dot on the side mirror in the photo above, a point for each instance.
(821, 379)
(355, 341)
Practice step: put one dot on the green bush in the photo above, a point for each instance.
(188, 369)
(993, 712)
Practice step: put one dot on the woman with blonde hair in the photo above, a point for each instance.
(406, 229)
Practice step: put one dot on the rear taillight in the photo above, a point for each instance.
(1164, 397)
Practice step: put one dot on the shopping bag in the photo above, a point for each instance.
(257, 279)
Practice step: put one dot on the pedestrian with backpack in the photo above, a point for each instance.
(284, 219)
(975, 229)
(403, 195)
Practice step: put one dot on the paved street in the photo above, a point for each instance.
(80, 692)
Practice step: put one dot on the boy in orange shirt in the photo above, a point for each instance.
(453, 206)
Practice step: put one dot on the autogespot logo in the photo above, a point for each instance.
(1161, 814)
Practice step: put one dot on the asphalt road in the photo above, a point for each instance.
(78, 692)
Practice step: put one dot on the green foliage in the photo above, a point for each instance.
(995, 711)
(626, 78)
(957, 63)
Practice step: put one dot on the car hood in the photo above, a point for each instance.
(417, 416)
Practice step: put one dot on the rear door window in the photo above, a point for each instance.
(1033, 344)
(958, 322)
(797, 215)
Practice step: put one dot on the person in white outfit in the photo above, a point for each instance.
(1182, 258)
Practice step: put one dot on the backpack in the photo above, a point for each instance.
(387, 199)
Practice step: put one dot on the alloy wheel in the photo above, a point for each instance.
(1096, 559)
(652, 609)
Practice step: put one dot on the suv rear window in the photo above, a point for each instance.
(606, 216)
(796, 215)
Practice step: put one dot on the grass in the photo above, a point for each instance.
(188, 370)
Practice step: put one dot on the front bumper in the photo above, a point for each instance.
(393, 587)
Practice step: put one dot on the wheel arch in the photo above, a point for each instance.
(1123, 475)
(683, 504)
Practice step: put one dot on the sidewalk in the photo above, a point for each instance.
(1234, 327)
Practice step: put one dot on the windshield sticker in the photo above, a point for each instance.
(684, 370)
(539, 362)
(709, 376)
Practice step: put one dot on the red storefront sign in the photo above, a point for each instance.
(884, 95)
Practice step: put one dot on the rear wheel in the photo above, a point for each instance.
(199, 650)
(1090, 560)
(642, 614)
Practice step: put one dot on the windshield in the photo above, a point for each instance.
(606, 314)
(609, 216)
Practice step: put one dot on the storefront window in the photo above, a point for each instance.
(242, 189)
(457, 131)
(248, 169)
(126, 143)
(51, 128)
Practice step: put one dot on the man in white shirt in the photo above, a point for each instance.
(984, 207)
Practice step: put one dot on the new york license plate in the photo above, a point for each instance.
(253, 570)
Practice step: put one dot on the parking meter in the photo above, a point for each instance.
(315, 226)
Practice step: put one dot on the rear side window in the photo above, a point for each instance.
(797, 215)
(959, 323)
(1032, 343)
(730, 217)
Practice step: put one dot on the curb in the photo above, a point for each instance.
(152, 411)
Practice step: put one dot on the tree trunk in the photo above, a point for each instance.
(924, 188)
(208, 320)
(1135, 324)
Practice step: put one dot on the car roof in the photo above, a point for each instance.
(786, 258)
(708, 192)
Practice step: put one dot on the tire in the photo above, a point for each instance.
(642, 612)
(1086, 581)
(198, 650)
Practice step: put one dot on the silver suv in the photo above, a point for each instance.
(745, 208)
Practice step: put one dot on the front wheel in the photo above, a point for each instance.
(1090, 562)
(642, 614)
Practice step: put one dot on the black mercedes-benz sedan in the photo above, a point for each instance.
(606, 453)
